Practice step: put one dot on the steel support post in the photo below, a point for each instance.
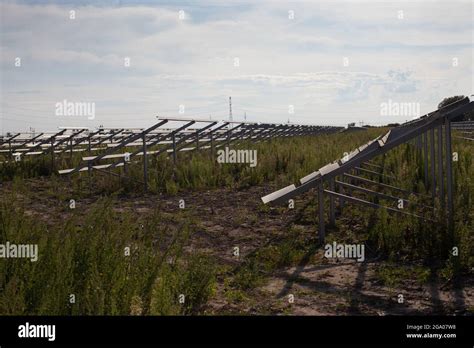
(212, 145)
(89, 171)
(197, 140)
(425, 157)
(52, 154)
(321, 232)
(145, 164)
(440, 168)
(433, 162)
(70, 150)
(173, 137)
(449, 174)
(332, 213)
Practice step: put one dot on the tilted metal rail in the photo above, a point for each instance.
(421, 133)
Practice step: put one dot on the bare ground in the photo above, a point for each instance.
(316, 286)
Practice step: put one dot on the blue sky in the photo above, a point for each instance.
(283, 61)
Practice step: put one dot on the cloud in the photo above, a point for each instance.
(282, 61)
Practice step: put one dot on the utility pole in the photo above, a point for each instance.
(230, 109)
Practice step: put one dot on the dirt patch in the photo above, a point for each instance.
(226, 218)
(352, 288)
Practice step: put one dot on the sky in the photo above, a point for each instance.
(309, 62)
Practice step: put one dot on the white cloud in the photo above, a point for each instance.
(190, 61)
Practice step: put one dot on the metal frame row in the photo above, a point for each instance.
(69, 140)
(431, 134)
(465, 130)
(111, 148)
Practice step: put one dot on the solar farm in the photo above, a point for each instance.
(328, 221)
